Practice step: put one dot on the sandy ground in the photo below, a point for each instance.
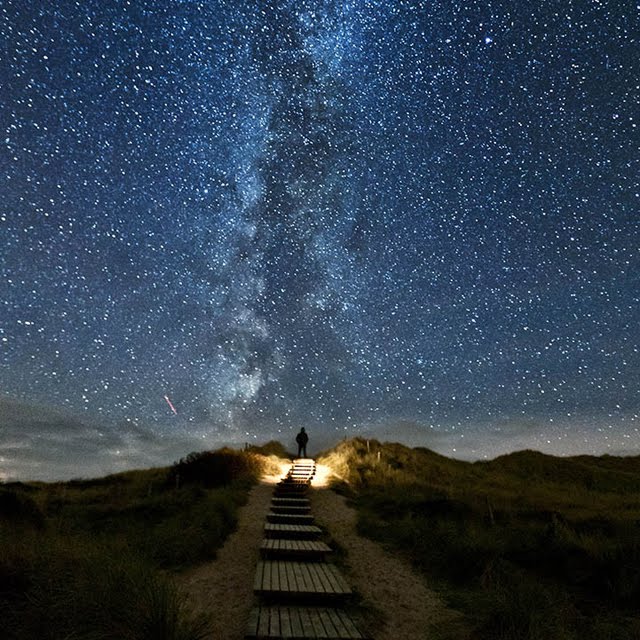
(405, 608)
(399, 603)
(224, 588)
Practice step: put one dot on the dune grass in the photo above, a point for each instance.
(528, 546)
(93, 558)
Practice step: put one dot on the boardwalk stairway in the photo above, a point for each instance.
(300, 594)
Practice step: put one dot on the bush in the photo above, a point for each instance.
(214, 468)
(524, 608)
(70, 588)
(18, 507)
(529, 546)
(272, 448)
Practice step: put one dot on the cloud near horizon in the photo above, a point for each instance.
(49, 444)
(45, 443)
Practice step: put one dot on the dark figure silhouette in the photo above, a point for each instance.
(302, 438)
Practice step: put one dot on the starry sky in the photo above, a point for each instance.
(224, 220)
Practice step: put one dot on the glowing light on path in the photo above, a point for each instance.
(171, 405)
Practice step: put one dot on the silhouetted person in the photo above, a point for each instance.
(302, 438)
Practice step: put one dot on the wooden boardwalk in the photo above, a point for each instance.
(284, 548)
(300, 594)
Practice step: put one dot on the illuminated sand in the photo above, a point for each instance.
(224, 588)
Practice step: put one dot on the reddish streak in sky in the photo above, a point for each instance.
(171, 405)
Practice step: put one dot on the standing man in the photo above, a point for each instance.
(302, 438)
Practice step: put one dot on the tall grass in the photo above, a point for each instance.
(529, 546)
(70, 587)
(90, 559)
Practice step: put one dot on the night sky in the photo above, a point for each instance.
(222, 221)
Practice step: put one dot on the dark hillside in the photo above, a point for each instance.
(92, 558)
(528, 545)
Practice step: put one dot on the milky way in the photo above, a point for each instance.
(331, 214)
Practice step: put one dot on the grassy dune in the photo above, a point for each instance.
(93, 558)
(528, 546)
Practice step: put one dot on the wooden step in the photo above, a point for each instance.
(290, 490)
(285, 492)
(312, 550)
(311, 581)
(301, 623)
(291, 531)
(291, 502)
(289, 518)
(286, 508)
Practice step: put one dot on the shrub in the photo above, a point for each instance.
(71, 588)
(18, 507)
(529, 545)
(213, 468)
(272, 448)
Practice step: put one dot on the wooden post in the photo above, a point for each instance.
(490, 510)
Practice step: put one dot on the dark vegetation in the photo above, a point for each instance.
(272, 448)
(528, 546)
(92, 559)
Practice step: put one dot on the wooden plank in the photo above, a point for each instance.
(291, 577)
(282, 576)
(340, 579)
(318, 627)
(269, 578)
(327, 578)
(310, 578)
(289, 518)
(327, 623)
(301, 502)
(257, 583)
(348, 624)
(321, 579)
(274, 622)
(253, 622)
(307, 625)
(285, 623)
(263, 626)
(300, 582)
(342, 586)
(296, 623)
(339, 630)
(272, 530)
(290, 510)
(299, 489)
(290, 492)
(302, 579)
(289, 622)
(324, 572)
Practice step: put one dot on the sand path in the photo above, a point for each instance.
(223, 588)
(400, 603)
(406, 607)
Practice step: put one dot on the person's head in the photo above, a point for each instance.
(302, 430)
